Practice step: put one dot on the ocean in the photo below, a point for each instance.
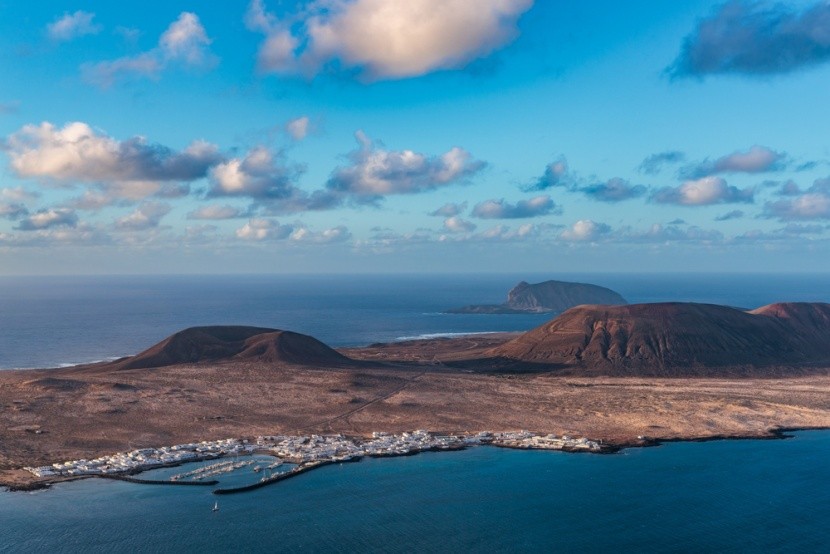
(54, 321)
(725, 496)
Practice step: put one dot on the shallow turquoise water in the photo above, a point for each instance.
(725, 496)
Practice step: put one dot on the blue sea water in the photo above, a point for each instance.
(51, 321)
(726, 496)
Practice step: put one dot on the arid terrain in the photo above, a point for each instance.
(626, 375)
(441, 385)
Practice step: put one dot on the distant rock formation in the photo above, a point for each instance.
(549, 296)
(653, 338)
(228, 343)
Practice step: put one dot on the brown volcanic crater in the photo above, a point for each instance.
(227, 343)
(653, 338)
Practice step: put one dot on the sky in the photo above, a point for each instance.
(445, 136)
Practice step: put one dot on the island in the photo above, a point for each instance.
(593, 379)
(545, 297)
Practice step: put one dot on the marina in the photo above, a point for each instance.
(303, 453)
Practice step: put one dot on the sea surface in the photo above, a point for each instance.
(724, 496)
(54, 321)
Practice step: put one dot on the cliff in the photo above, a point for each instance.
(548, 296)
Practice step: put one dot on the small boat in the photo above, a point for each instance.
(216, 506)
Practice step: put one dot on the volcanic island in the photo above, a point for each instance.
(595, 378)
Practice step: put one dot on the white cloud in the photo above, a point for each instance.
(812, 205)
(147, 216)
(72, 25)
(758, 159)
(382, 39)
(377, 172)
(13, 210)
(703, 192)
(450, 209)
(77, 152)
(184, 42)
(216, 212)
(46, 219)
(585, 230)
(335, 234)
(556, 174)
(298, 128)
(457, 225)
(258, 229)
(257, 175)
(500, 209)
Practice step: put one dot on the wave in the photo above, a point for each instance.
(427, 336)
(64, 364)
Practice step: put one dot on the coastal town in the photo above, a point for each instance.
(304, 451)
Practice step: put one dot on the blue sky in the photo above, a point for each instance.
(432, 135)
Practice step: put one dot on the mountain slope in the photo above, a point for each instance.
(226, 343)
(653, 337)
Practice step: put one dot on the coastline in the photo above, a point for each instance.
(462, 443)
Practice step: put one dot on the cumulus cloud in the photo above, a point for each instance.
(77, 152)
(653, 164)
(556, 174)
(758, 159)
(585, 230)
(258, 175)
(147, 216)
(455, 224)
(185, 42)
(381, 39)
(500, 209)
(734, 214)
(216, 212)
(613, 190)
(811, 205)
(259, 229)
(703, 192)
(450, 209)
(376, 172)
(47, 219)
(13, 210)
(756, 38)
(262, 176)
(72, 26)
(298, 128)
(329, 236)
(505, 233)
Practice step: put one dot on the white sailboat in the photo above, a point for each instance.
(216, 506)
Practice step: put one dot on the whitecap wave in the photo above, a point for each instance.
(427, 336)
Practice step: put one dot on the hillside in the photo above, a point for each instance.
(225, 343)
(654, 338)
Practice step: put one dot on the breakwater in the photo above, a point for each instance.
(276, 478)
(157, 481)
